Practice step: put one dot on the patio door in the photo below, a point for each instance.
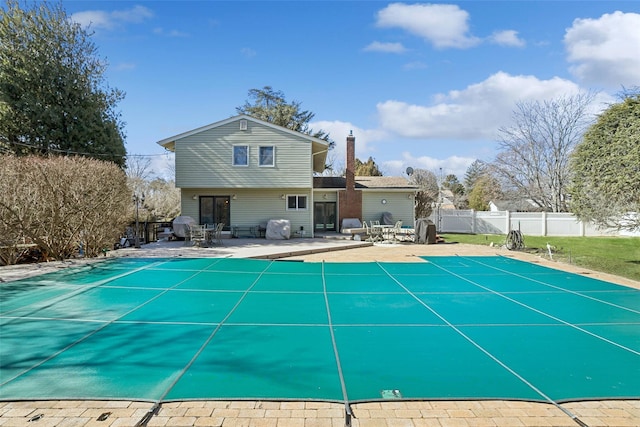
(215, 209)
(324, 216)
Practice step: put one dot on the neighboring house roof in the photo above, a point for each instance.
(364, 182)
(319, 146)
(521, 205)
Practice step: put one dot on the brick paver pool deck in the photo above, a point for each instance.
(319, 414)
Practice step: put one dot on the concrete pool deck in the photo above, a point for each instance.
(316, 414)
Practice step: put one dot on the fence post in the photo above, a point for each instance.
(544, 223)
(507, 216)
(473, 221)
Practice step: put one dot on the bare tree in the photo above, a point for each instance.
(428, 193)
(138, 167)
(534, 152)
(162, 199)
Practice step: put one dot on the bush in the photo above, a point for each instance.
(60, 204)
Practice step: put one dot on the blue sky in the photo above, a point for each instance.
(425, 85)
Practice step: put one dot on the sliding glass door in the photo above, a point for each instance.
(215, 209)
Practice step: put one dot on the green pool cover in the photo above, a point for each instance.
(447, 328)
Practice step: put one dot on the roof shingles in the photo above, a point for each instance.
(364, 182)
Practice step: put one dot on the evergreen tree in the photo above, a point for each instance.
(474, 172)
(368, 168)
(452, 184)
(606, 168)
(271, 106)
(53, 95)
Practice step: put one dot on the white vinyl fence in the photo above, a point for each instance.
(529, 223)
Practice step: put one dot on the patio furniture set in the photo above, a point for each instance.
(204, 235)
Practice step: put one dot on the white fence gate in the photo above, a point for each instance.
(530, 223)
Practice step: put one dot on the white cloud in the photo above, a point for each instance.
(605, 51)
(443, 25)
(474, 113)
(385, 47)
(366, 140)
(507, 38)
(100, 19)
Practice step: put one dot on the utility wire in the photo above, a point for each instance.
(57, 150)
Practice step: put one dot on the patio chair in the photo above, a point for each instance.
(215, 236)
(187, 234)
(197, 234)
(395, 231)
(374, 233)
(209, 231)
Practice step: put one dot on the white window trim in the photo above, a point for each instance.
(273, 164)
(233, 156)
(296, 208)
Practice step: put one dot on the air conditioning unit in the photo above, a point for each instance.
(243, 125)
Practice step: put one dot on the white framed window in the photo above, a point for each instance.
(240, 155)
(267, 155)
(296, 203)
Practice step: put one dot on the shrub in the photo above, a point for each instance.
(61, 204)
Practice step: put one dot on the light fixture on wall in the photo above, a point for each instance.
(409, 196)
(383, 201)
(234, 197)
(324, 196)
(282, 196)
(195, 197)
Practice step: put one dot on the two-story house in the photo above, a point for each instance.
(243, 172)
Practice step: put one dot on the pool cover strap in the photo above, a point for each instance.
(347, 410)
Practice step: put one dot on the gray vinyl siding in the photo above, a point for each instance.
(331, 196)
(252, 207)
(204, 160)
(398, 203)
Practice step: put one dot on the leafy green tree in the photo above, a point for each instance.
(606, 168)
(53, 95)
(271, 106)
(368, 168)
(485, 189)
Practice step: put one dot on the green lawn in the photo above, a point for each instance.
(615, 255)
